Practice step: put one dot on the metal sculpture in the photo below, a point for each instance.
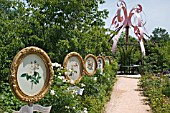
(124, 20)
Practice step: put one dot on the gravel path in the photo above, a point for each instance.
(126, 98)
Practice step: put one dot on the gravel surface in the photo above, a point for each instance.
(126, 98)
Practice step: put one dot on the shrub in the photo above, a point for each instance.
(96, 94)
(156, 89)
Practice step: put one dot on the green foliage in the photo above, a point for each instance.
(96, 93)
(156, 89)
(128, 53)
(160, 34)
(157, 57)
(56, 26)
(157, 52)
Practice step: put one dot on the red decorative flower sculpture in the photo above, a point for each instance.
(124, 20)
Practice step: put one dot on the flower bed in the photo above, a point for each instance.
(157, 89)
(96, 92)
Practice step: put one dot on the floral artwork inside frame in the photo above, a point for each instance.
(74, 68)
(90, 64)
(31, 74)
(107, 60)
(100, 63)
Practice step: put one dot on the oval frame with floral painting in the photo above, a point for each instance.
(100, 62)
(107, 60)
(31, 74)
(73, 63)
(90, 64)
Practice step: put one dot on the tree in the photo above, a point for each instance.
(56, 26)
(160, 34)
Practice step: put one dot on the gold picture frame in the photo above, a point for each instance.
(100, 62)
(90, 64)
(31, 74)
(108, 59)
(73, 63)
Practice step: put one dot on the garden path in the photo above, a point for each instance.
(127, 98)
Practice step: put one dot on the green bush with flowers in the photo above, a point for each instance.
(96, 92)
(157, 89)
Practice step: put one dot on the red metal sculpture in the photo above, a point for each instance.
(124, 20)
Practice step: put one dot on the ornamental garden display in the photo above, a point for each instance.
(124, 20)
(31, 77)
(90, 64)
(73, 63)
(100, 63)
(107, 59)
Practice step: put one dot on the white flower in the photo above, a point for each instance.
(67, 107)
(31, 72)
(68, 81)
(74, 107)
(52, 92)
(56, 65)
(72, 81)
(85, 110)
(56, 95)
(83, 85)
(61, 77)
(66, 73)
(58, 69)
(59, 73)
(64, 80)
(61, 68)
(95, 78)
(70, 70)
(74, 92)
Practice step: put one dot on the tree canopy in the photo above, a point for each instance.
(56, 26)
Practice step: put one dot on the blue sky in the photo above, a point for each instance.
(157, 12)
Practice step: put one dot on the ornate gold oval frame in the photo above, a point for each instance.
(108, 57)
(70, 55)
(95, 63)
(14, 69)
(102, 59)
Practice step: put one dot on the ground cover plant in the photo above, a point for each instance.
(157, 89)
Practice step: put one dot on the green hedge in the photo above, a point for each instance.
(157, 89)
(96, 94)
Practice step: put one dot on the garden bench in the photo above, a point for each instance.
(130, 69)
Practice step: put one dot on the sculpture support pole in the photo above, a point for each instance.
(127, 33)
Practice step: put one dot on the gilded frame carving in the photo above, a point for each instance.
(93, 65)
(13, 78)
(67, 63)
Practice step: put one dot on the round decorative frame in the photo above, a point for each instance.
(107, 59)
(90, 64)
(73, 63)
(101, 58)
(31, 66)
